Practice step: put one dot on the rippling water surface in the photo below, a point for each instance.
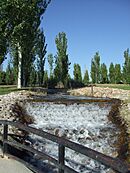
(85, 123)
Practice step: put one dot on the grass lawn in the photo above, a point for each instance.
(5, 89)
(118, 86)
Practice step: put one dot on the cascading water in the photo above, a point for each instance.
(85, 123)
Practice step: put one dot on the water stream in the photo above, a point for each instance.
(80, 119)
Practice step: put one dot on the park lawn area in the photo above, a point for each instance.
(118, 86)
(6, 89)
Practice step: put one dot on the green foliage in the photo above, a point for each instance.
(112, 73)
(2, 78)
(3, 47)
(97, 65)
(115, 75)
(93, 71)
(19, 21)
(40, 52)
(86, 77)
(95, 68)
(45, 79)
(33, 76)
(9, 75)
(62, 60)
(77, 73)
(118, 75)
(104, 76)
(126, 67)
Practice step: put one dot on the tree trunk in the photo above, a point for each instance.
(19, 68)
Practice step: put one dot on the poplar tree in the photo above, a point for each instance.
(77, 73)
(95, 68)
(118, 74)
(19, 21)
(112, 73)
(93, 71)
(86, 77)
(62, 60)
(45, 78)
(104, 76)
(40, 54)
(33, 76)
(126, 67)
(9, 74)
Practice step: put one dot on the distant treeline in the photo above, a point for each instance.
(33, 73)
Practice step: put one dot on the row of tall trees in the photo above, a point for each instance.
(100, 74)
(33, 71)
(20, 35)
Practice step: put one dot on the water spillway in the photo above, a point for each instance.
(79, 119)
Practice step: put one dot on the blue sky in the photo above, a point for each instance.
(90, 26)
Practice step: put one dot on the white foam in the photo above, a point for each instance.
(86, 124)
